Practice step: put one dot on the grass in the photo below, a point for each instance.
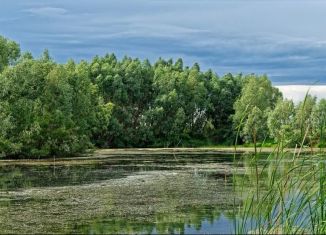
(287, 193)
(287, 196)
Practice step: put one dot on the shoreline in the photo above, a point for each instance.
(101, 154)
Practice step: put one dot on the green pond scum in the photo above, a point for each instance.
(149, 194)
(161, 194)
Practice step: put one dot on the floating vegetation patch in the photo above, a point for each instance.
(142, 196)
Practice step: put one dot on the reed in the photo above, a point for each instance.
(284, 194)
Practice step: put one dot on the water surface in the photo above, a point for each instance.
(130, 194)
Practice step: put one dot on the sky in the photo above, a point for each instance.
(285, 39)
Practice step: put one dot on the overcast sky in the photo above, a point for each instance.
(285, 39)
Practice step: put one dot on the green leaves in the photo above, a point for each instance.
(9, 52)
(61, 109)
(280, 121)
(49, 109)
(255, 127)
(258, 96)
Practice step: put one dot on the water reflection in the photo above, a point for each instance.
(190, 220)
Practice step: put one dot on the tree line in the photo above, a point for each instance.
(47, 108)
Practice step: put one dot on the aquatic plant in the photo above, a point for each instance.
(284, 195)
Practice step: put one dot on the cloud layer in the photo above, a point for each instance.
(283, 39)
(298, 92)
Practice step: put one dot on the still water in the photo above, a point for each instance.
(184, 194)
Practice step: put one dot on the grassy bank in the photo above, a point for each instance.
(199, 150)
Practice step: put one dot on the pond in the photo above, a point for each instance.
(184, 194)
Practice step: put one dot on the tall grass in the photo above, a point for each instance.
(291, 197)
(285, 194)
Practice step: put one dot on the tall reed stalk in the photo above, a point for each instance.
(284, 194)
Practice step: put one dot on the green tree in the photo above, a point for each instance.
(255, 127)
(22, 87)
(257, 93)
(128, 85)
(49, 109)
(222, 93)
(177, 94)
(9, 52)
(59, 109)
(280, 121)
(46, 55)
(319, 122)
(303, 122)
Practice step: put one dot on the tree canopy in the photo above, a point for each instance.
(47, 108)
(9, 52)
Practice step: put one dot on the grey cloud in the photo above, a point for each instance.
(279, 38)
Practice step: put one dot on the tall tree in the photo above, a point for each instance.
(257, 93)
(48, 109)
(255, 126)
(319, 122)
(9, 52)
(303, 122)
(280, 121)
(128, 85)
(222, 93)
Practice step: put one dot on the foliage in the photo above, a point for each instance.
(165, 104)
(258, 97)
(303, 121)
(280, 121)
(255, 127)
(319, 122)
(49, 109)
(222, 94)
(287, 194)
(9, 52)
